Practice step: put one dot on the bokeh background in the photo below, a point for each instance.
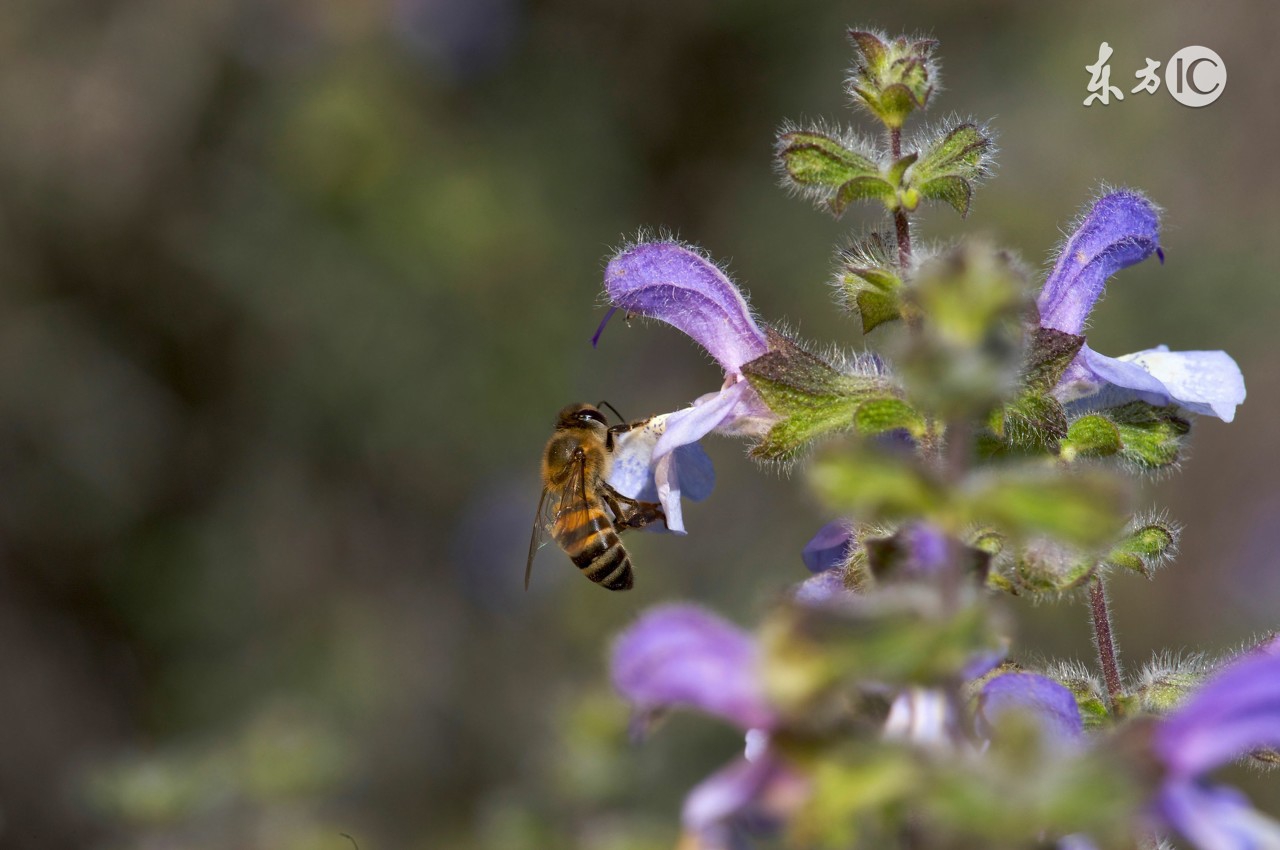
(291, 291)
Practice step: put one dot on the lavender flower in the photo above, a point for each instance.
(829, 549)
(673, 283)
(1234, 713)
(680, 656)
(1121, 229)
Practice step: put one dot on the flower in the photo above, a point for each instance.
(1231, 715)
(680, 656)
(675, 284)
(1234, 713)
(830, 548)
(1121, 229)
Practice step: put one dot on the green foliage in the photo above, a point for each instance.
(1082, 509)
(895, 636)
(811, 396)
(869, 282)
(893, 78)
(1144, 547)
(1144, 435)
(827, 168)
(966, 356)
(947, 169)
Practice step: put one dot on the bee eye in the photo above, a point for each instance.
(591, 416)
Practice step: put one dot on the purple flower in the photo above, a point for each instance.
(1048, 702)
(828, 549)
(680, 656)
(677, 285)
(1121, 229)
(1231, 715)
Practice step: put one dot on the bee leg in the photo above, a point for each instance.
(635, 514)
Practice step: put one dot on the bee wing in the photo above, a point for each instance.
(535, 537)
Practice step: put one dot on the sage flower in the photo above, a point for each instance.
(1121, 229)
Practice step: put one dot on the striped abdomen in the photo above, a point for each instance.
(586, 534)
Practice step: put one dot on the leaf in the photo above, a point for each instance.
(950, 189)
(861, 189)
(887, 414)
(1083, 509)
(811, 396)
(815, 159)
(875, 486)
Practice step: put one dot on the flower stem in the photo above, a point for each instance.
(1105, 642)
(899, 216)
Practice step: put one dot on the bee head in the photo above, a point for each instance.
(581, 416)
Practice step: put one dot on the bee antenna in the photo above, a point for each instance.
(604, 403)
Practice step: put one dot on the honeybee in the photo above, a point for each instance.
(579, 508)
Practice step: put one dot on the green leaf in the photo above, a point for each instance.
(876, 486)
(949, 189)
(811, 396)
(962, 153)
(1083, 509)
(900, 167)
(862, 189)
(1046, 567)
(887, 414)
(876, 308)
(815, 159)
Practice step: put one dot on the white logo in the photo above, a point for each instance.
(1195, 76)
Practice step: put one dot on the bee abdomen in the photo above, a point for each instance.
(608, 564)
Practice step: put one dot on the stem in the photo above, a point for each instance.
(1105, 641)
(900, 217)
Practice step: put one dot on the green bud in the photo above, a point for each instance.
(894, 78)
(835, 169)
(812, 397)
(1046, 567)
(1088, 690)
(1166, 681)
(868, 282)
(948, 167)
(1145, 546)
(965, 358)
(1146, 436)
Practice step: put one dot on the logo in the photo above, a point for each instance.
(1195, 76)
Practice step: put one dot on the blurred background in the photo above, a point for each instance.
(290, 293)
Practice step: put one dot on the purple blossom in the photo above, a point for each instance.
(680, 656)
(677, 285)
(828, 549)
(1122, 229)
(1049, 703)
(1231, 715)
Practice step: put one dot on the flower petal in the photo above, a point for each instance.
(1049, 702)
(1121, 229)
(921, 716)
(828, 549)
(1204, 382)
(1235, 712)
(1215, 817)
(677, 285)
(743, 797)
(631, 472)
(826, 586)
(680, 656)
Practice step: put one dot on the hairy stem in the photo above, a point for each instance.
(1105, 642)
(899, 216)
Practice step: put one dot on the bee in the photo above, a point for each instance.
(579, 508)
